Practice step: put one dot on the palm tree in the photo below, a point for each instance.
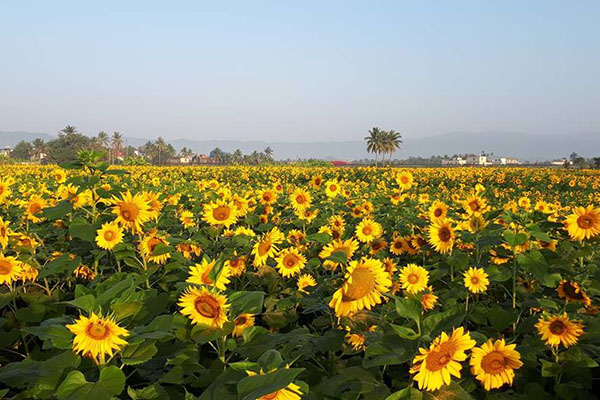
(391, 142)
(238, 156)
(102, 139)
(161, 149)
(69, 130)
(375, 142)
(117, 143)
(39, 148)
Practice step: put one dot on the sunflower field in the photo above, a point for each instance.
(298, 283)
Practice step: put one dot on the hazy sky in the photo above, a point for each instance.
(303, 70)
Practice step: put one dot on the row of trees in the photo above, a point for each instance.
(380, 142)
(70, 141)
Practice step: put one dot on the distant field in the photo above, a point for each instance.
(290, 282)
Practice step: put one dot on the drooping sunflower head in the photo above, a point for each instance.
(494, 363)
(559, 329)
(414, 278)
(584, 223)
(97, 336)
(476, 280)
(572, 292)
(305, 281)
(34, 207)
(204, 307)
(242, 322)
(109, 235)
(236, 265)
(364, 283)
(475, 205)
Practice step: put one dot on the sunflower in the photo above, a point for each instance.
(356, 340)
(4, 190)
(438, 209)
(34, 207)
(429, 300)
(290, 262)
(28, 273)
(4, 231)
(200, 274)
(187, 219)
(132, 211)
(84, 272)
(220, 213)
(494, 363)
(154, 204)
(348, 247)
(236, 265)
(266, 247)
(242, 322)
(365, 281)
(10, 269)
(204, 307)
(434, 366)
(97, 336)
(368, 230)
(571, 292)
(189, 248)
(332, 188)
(397, 247)
(300, 199)
(476, 280)
(414, 278)
(559, 329)
(268, 197)
(405, 180)
(441, 235)
(475, 205)
(316, 181)
(110, 235)
(306, 281)
(148, 247)
(584, 223)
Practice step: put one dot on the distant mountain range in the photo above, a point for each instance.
(525, 146)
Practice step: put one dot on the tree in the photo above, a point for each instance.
(217, 154)
(39, 148)
(68, 130)
(22, 151)
(375, 142)
(66, 146)
(117, 143)
(391, 142)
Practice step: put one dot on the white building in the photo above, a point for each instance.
(477, 160)
(496, 160)
(5, 151)
(454, 161)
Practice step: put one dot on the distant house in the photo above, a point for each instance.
(203, 159)
(561, 162)
(5, 151)
(454, 161)
(477, 160)
(338, 163)
(496, 160)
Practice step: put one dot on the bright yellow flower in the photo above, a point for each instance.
(96, 337)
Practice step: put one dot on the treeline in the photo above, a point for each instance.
(158, 152)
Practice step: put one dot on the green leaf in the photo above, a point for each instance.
(253, 387)
(58, 335)
(501, 318)
(270, 360)
(450, 392)
(75, 387)
(513, 239)
(151, 392)
(408, 393)
(338, 257)
(86, 302)
(246, 302)
(139, 353)
(409, 308)
(58, 266)
(322, 238)
(58, 211)
(405, 332)
(534, 263)
(82, 229)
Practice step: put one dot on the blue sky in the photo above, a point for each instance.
(309, 70)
